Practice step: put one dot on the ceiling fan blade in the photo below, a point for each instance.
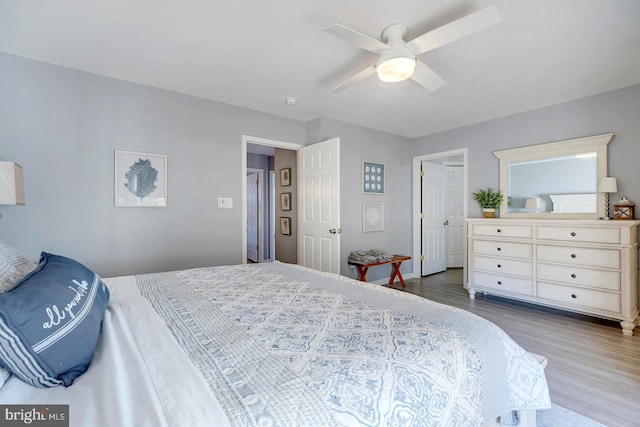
(426, 77)
(455, 30)
(355, 79)
(353, 36)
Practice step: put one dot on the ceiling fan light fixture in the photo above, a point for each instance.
(396, 69)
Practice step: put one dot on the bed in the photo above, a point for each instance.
(278, 344)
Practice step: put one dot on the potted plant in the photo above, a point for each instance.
(489, 200)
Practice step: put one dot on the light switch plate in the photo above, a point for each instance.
(225, 202)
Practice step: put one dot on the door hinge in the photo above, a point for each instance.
(421, 172)
(421, 215)
(421, 257)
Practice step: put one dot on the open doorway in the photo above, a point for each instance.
(307, 184)
(440, 209)
(259, 210)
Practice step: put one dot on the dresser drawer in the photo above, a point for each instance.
(505, 249)
(503, 230)
(579, 297)
(503, 266)
(602, 279)
(503, 283)
(579, 234)
(591, 257)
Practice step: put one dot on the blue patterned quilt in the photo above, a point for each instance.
(285, 345)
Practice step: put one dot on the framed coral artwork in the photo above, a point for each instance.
(140, 179)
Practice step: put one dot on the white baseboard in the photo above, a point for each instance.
(385, 281)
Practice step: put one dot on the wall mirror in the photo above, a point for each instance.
(554, 180)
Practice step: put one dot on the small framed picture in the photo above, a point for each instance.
(140, 179)
(285, 201)
(285, 225)
(372, 178)
(285, 177)
(372, 216)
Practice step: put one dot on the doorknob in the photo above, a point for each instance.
(335, 231)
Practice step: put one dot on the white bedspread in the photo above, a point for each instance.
(285, 345)
(269, 315)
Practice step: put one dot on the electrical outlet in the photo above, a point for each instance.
(225, 202)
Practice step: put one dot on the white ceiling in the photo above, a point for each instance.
(254, 53)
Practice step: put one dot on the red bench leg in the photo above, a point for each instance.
(396, 273)
(362, 273)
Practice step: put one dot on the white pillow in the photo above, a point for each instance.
(14, 265)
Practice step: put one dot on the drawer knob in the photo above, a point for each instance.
(499, 282)
(573, 256)
(573, 275)
(499, 231)
(574, 296)
(499, 249)
(499, 265)
(573, 234)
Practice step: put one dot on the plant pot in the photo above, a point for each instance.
(489, 213)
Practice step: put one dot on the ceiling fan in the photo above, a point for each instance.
(397, 58)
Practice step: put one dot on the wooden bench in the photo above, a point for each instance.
(395, 262)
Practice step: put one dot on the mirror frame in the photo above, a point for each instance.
(597, 143)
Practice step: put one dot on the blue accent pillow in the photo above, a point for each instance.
(50, 322)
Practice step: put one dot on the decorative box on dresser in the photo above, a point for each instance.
(585, 266)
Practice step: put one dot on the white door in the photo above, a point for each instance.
(454, 228)
(252, 217)
(319, 206)
(433, 222)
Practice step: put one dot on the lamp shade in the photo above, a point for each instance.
(11, 184)
(532, 203)
(608, 184)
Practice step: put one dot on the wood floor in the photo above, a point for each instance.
(593, 369)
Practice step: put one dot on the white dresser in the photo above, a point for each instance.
(586, 266)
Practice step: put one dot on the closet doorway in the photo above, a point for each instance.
(440, 209)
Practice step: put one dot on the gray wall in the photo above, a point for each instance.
(63, 126)
(615, 111)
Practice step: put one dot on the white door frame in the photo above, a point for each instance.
(262, 223)
(246, 139)
(272, 215)
(417, 203)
